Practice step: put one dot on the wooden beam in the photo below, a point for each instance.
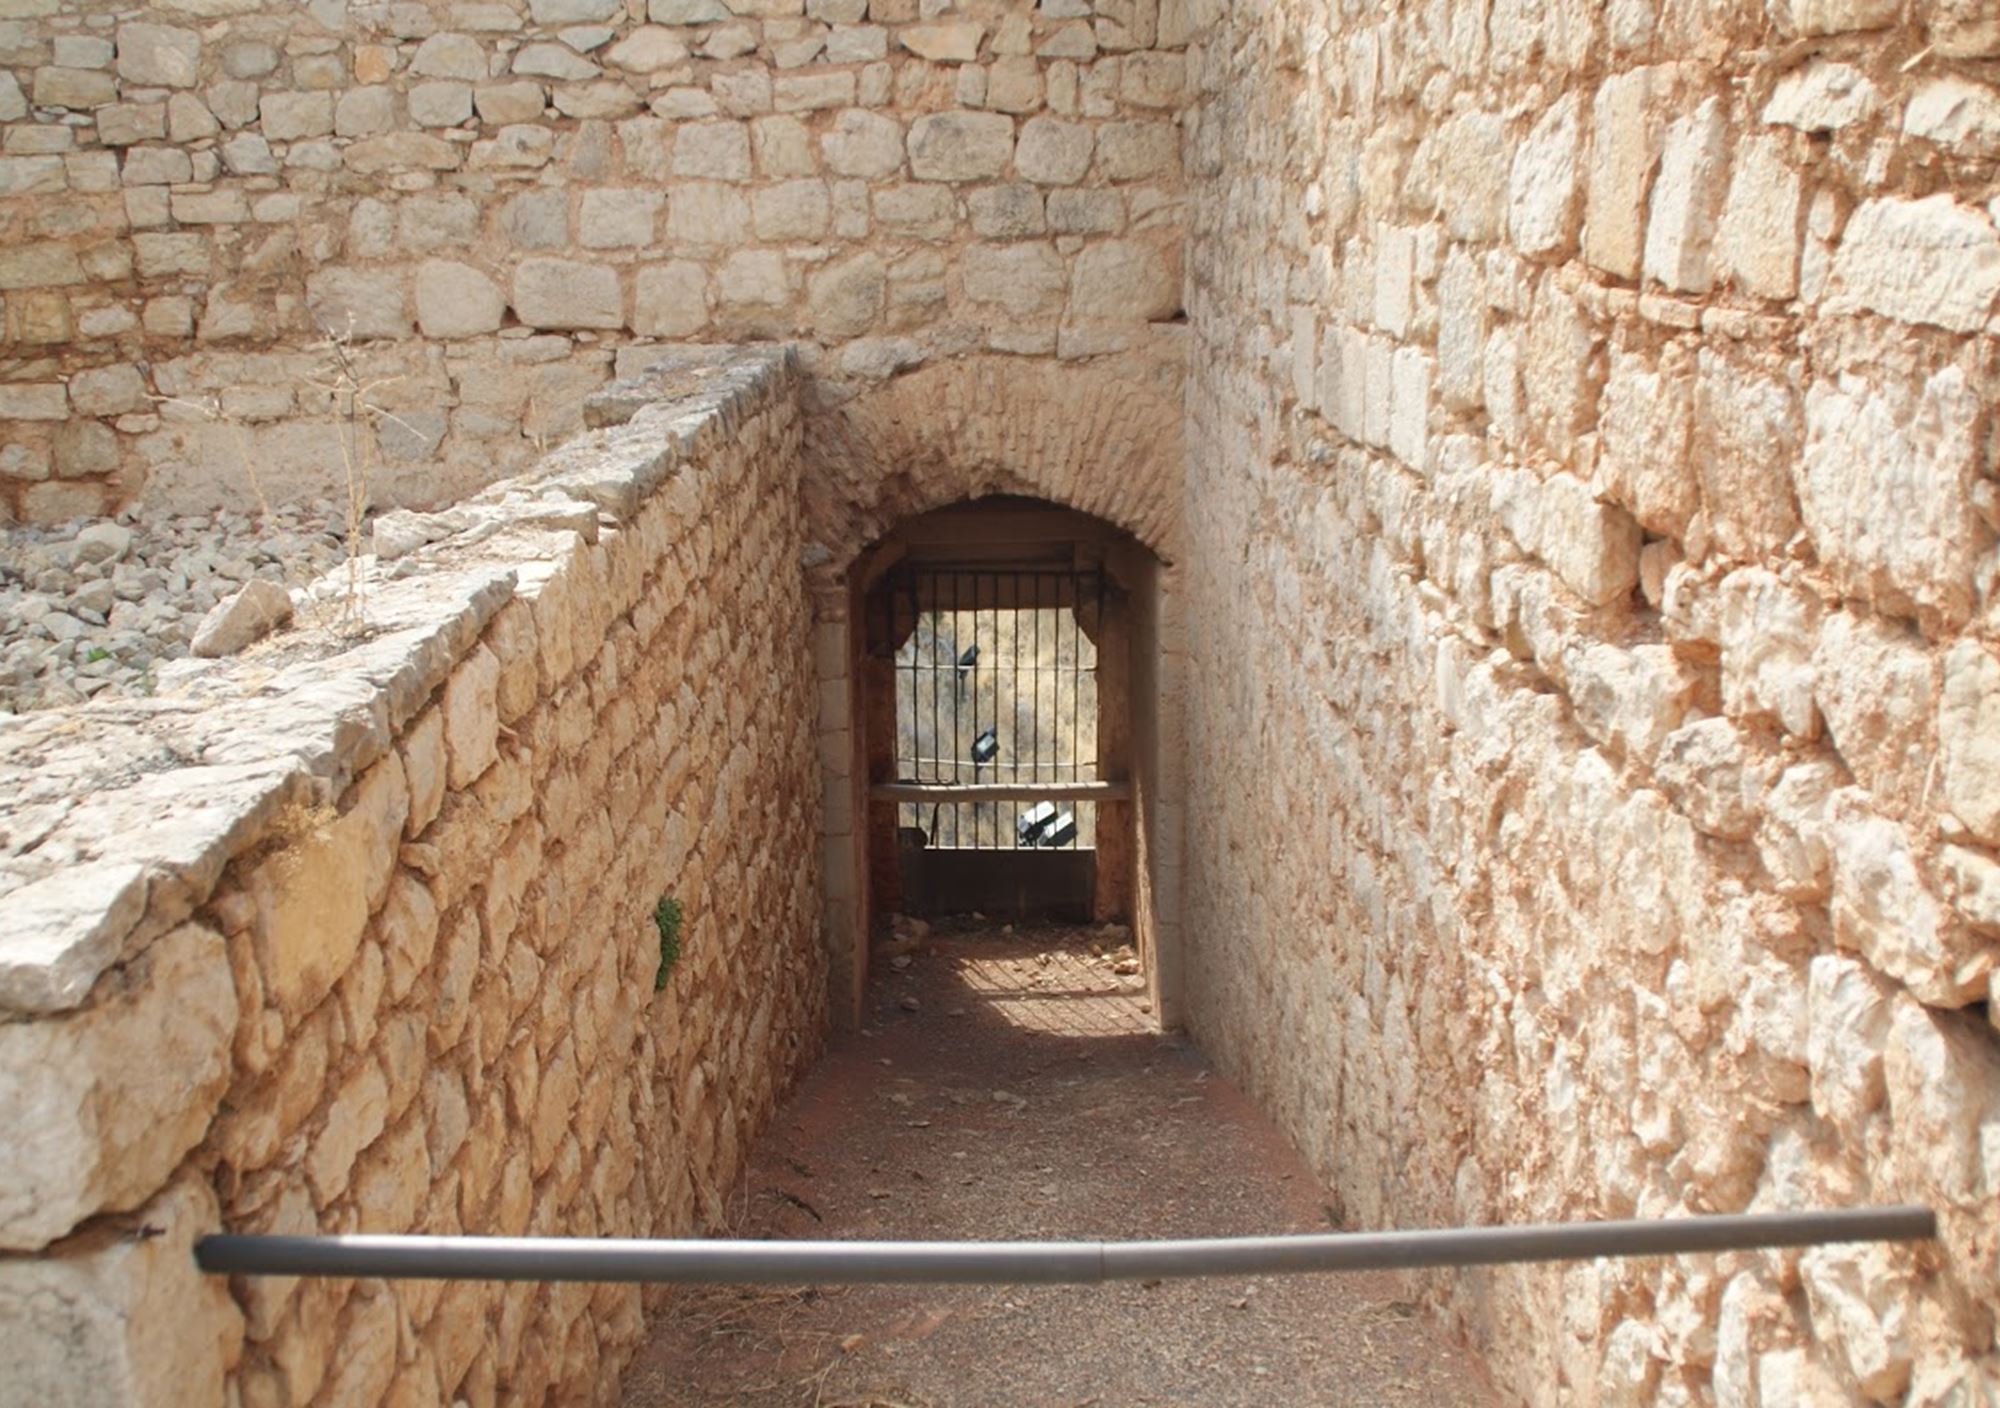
(925, 792)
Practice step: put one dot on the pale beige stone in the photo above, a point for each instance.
(450, 55)
(754, 278)
(1687, 191)
(353, 1118)
(1968, 726)
(1024, 280)
(619, 217)
(246, 615)
(1123, 279)
(1645, 427)
(1474, 158)
(158, 55)
(791, 210)
(291, 117)
(111, 1317)
(1053, 152)
(1924, 261)
(1593, 546)
(1885, 485)
(1836, 16)
(961, 146)
(949, 42)
(1542, 184)
(670, 300)
(1885, 909)
(783, 146)
(863, 144)
(845, 299)
(813, 92)
(922, 211)
(1759, 235)
(456, 300)
(1625, 143)
(1962, 28)
(1954, 113)
(1748, 431)
(563, 293)
(1014, 85)
(472, 717)
(1138, 151)
(505, 103)
(714, 151)
(441, 104)
(423, 758)
(1769, 632)
(707, 213)
(358, 303)
(1823, 96)
(104, 1102)
(1860, 1299)
(1009, 212)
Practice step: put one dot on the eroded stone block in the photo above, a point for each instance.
(121, 1314)
(102, 1103)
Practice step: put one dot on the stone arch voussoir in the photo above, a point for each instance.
(1102, 437)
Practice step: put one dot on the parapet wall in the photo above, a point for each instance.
(356, 933)
(490, 199)
(1594, 701)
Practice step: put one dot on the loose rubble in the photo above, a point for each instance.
(93, 607)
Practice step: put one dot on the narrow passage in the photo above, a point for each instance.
(1008, 1086)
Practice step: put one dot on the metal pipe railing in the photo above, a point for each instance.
(1015, 1263)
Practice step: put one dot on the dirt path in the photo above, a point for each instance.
(1008, 1087)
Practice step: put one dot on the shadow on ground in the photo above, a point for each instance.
(1009, 1086)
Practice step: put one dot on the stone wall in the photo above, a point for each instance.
(490, 199)
(1594, 662)
(355, 933)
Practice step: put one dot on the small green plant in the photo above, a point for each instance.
(97, 653)
(667, 919)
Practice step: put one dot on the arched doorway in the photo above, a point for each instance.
(1003, 684)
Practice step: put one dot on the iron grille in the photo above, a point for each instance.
(997, 683)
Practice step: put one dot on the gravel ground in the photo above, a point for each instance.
(1010, 1087)
(95, 606)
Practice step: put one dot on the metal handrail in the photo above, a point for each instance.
(1016, 1263)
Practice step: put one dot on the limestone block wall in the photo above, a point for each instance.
(355, 933)
(1593, 654)
(491, 197)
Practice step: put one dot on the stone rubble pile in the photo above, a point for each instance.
(94, 607)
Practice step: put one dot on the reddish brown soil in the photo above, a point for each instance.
(1009, 1086)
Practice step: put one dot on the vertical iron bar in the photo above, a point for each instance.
(993, 708)
(954, 708)
(1097, 705)
(1014, 684)
(977, 839)
(1076, 695)
(1035, 683)
(978, 828)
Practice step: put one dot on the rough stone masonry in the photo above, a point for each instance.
(487, 200)
(1571, 427)
(356, 934)
(1591, 505)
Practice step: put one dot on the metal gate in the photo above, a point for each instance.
(994, 768)
(996, 687)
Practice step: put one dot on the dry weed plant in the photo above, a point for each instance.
(358, 415)
(292, 832)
